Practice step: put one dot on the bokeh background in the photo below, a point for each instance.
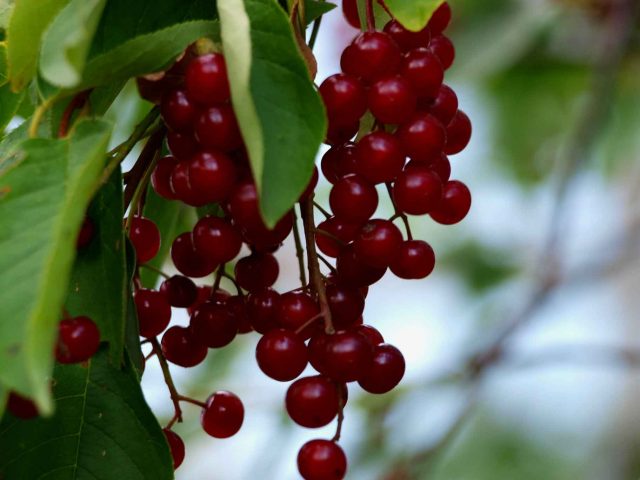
(523, 346)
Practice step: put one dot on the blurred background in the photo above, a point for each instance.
(523, 346)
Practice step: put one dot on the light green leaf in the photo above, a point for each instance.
(102, 429)
(413, 14)
(45, 186)
(67, 41)
(280, 113)
(4, 67)
(29, 20)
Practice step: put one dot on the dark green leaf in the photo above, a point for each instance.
(9, 101)
(315, 9)
(413, 14)
(132, 330)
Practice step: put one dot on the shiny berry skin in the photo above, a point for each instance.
(343, 231)
(406, 39)
(346, 305)
(161, 177)
(417, 191)
(344, 98)
(21, 407)
(392, 99)
(295, 310)
(145, 237)
(370, 56)
(423, 137)
(353, 199)
(445, 105)
(440, 19)
(379, 157)
(176, 447)
(78, 340)
(377, 243)
(187, 259)
(281, 355)
(316, 351)
(154, 312)
(217, 128)
(212, 176)
(415, 260)
(179, 291)
(205, 294)
(339, 134)
(347, 356)
(257, 271)
(312, 402)
(385, 370)
(216, 239)
(339, 162)
(182, 145)
(322, 460)
(443, 48)
(223, 415)
(455, 204)
(181, 185)
(423, 71)
(214, 325)
(441, 167)
(373, 336)
(86, 233)
(353, 272)
(177, 111)
(206, 80)
(458, 133)
(182, 347)
(263, 308)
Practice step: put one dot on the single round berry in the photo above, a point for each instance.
(78, 340)
(281, 355)
(385, 370)
(445, 105)
(181, 185)
(423, 137)
(86, 233)
(177, 111)
(415, 260)
(417, 191)
(458, 133)
(370, 56)
(392, 99)
(312, 402)
(353, 199)
(21, 407)
(443, 48)
(423, 71)
(350, 12)
(182, 145)
(340, 134)
(455, 204)
(406, 39)
(176, 447)
(154, 312)
(347, 356)
(145, 237)
(206, 80)
(179, 291)
(182, 347)
(354, 273)
(440, 19)
(263, 307)
(212, 176)
(316, 351)
(214, 325)
(377, 243)
(187, 259)
(161, 177)
(296, 310)
(441, 167)
(322, 460)
(216, 239)
(217, 128)
(346, 305)
(223, 415)
(373, 336)
(257, 271)
(333, 233)
(379, 157)
(339, 162)
(344, 98)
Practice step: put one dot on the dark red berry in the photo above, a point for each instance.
(217, 128)
(154, 312)
(406, 39)
(212, 176)
(161, 177)
(353, 272)
(145, 237)
(340, 134)
(214, 325)
(417, 191)
(455, 204)
(371, 334)
(312, 402)
(350, 12)
(21, 407)
(237, 305)
(440, 19)
(296, 310)
(181, 185)
(179, 291)
(223, 415)
(342, 231)
(206, 80)
(182, 347)
(370, 56)
(177, 111)
(392, 99)
(344, 98)
(257, 271)
(78, 340)
(182, 145)
(347, 356)
(205, 294)
(216, 239)
(339, 162)
(263, 308)
(423, 71)
(86, 233)
(379, 157)
(385, 370)
(316, 351)
(423, 137)
(188, 260)
(443, 48)
(415, 260)
(176, 447)
(445, 105)
(458, 133)
(322, 460)
(353, 199)
(346, 305)
(281, 355)
(377, 243)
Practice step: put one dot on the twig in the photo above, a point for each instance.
(299, 249)
(321, 210)
(140, 191)
(138, 177)
(175, 396)
(76, 103)
(399, 213)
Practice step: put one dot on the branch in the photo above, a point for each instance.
(175, 396)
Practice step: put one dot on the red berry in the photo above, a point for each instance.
(188, 260)
(350, 11)
(385, 370)
(161, 177)
(181, 185)
(214, 325)
(322, 460)
(417, 191)
(281, 355)
(177, 111)
(297, 309)
(182, 145)
(344, 98)
(353, 272)
(223, 415)
(445, 105)
(458, 133)
(343, 231)
(441, 167)
(347, 356)
(371, 334)
(154, 312)
(370, 56)
(339, 162)
(379, 157)
(216, 239)
(206, 79)
(212, 176)
(392, 99)
(340, 134)
(21, 407)
(176, 447)
(86, 233)
(423, 71)
(263, 307)
(182, 347)
(237, 305)
(455, 204)
(179, 291)
(257, 271)
(78, 340)
(423, 137)
(353, 199)
(145, 237)
(440, 19)
(217, 128)
(443, 48)
(406, 39)
(377, 243)
(316, 351)
(415, 260)
(312, 402)
(205, 294)
(346, 305)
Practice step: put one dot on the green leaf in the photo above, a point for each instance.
(29, 20)
(45, 186)
(280, 113)
(315, 9)
(99, 286)
(413, 14)
(4, 67)
(67, 41)
(9, 101)
(132, 329)
(102, 429)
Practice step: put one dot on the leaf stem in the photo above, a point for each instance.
(182, 398)
(299, 249)
(76, 103)
(154, 269)
(399, 214)
(175, 396)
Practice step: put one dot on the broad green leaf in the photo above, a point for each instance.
(67, 41)
(9, 101)
(413, 14)
(4, 67)
(29, 20)
(280, 113)
(315, 9)
(99, 286)
(45, 186)
(102, 429)
(132, 330)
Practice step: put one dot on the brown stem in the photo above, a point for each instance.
(173, 392)
(341, 402)
(76, 103)
(327, 263)
(138, 176)
(182, 398)
(322, 210)
(216, 282)
(399, 214)
(299, 250)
